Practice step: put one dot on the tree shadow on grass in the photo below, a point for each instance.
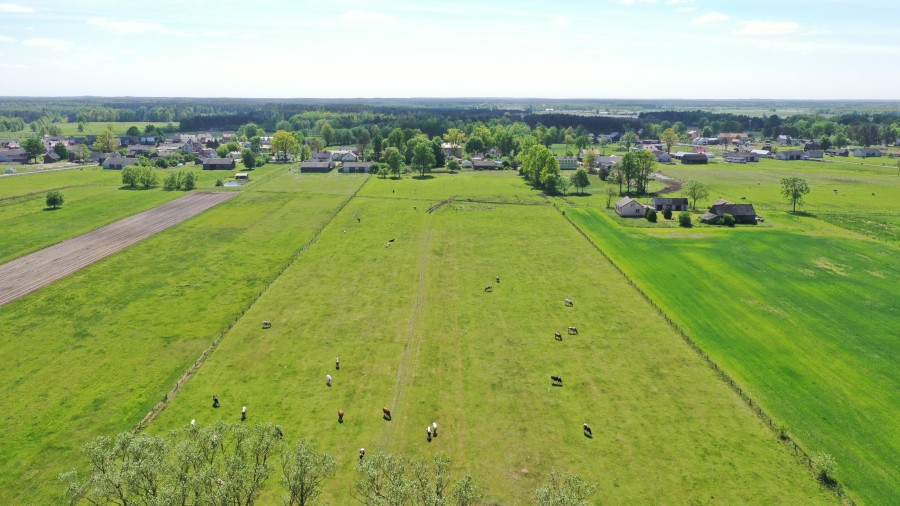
(426, 176)
(52, 208)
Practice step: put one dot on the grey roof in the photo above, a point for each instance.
(120, 160)
(218, 161)
(320, 164)
(356, 164)
(734, 209)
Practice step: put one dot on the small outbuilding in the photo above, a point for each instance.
(356, 167)
(675, 204)
(242, 176)
(694, 158)
(743, 213)
(307, 167)
(219, 164)
(866, 153)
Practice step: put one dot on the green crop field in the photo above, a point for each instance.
(416, 332)
(802, 314)
(94, 352)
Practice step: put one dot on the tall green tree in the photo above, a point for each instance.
(637, 167)
(327, 133)
(34, 147)
(284, 144)
(423, 156)
(580, 180)
(627, 140)
(440, 159)
(304, 471)
(695, 190)
(669, 138)
(794, 189)
(564, 490)
(248, 158)
(590, 159)
(363, 139)
(394, 160)
(54, 199)
(106, 142)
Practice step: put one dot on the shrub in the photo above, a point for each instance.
(604, 173)
(189, 181)
(219, 182)
(825, 466)
(727, 220)
(667, 212)
(651, 216)
(684, 219)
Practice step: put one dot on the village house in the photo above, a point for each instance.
(662, 157)
(838, 152)
(219, 164)
(567, 162)
(674, 203)
(741, 157)
(743, 213)
(321, 156)
(608, 161)
(814, 154)
(51, 157)
(485, 165)
(307, 167)
(694, 158)
(13, 155)
(790, 154)
(116, 162)
(356, 166)
(627, 207)
(866, 152)
(139, 150)
(343, 155)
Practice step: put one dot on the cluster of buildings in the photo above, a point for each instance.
(628, 207)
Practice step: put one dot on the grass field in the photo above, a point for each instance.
(415, 331)
(94, 352)
(90, 128)
(802, 314)
(93, 197)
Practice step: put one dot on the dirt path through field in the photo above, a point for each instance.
(24, 275)
(413, 340)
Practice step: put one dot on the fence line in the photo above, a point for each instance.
(159, 407)
(778, 429)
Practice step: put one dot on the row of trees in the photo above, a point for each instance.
(231, 464)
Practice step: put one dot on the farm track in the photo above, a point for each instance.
(32, 272)
(413, 337)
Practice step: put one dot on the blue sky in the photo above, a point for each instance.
(822, 49)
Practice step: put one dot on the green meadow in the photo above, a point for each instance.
(94, 352)
(802, 314)
(416, 332)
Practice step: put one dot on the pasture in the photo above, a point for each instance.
(416, 332)
(802, 314)
(92, 353)
(90, 128)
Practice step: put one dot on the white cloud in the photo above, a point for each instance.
(16, 8)
(560, 21)
(127, 27)
(710, 17)
(359, 17)
(54, 44)
(632, 2)
(4, 38)
(677, 2)
(766, 28)
(682, 10)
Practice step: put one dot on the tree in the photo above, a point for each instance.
(610, 195)
(423, 156)
(569, 140)
(81, 126)
(439, 158)
(580, 180)
(637, 167)
(381, 480)
(54, 200)
(248, 158)
(106, 142)
(395, 139)
(60, 149)
(590, 159)
(453, 165)
(696, 191)
(34, 147)
(475, 145)
(669, 138)
(825, 467)
(394, 160)
(556, 183)
(189, 181)
(840, 140)
(627, 140)
(456, 138)
(327, 133)
(81, 152)
(304, 471)
(727, 220)
(131, 176)
(684, 219)
(564, 490)
(667, 212)
(133, 131)
(363, 139)
(793, 189)
(147, 177)
(377, 146)
(171, 182)
(581, 142)
(284, 144)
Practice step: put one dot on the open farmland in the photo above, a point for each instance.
(92, 353)
(802, 314)
(416, 332)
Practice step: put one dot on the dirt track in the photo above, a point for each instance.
(24, 275)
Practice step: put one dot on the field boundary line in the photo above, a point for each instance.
(192, 370)
(794, 445)
(413, 337)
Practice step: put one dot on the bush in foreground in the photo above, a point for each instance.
(684, 219)
(651, 216)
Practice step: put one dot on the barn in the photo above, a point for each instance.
(694, 158)
(675, 204)
(218, 164)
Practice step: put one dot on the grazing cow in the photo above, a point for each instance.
(193, 423)
(391, 240)
(557, 380)
(498, 280)
(340, 416)
(214, 442)
(489, 288)
(558, 336)
(572, 330)
(362, 453)
(387, 413)
(569, 302)
(587, 431)
(428, 431)
(244, 413)
(434, 428)
(337, 363)
(267, 324)
(215, 401)
(328, 379)
(388, 245)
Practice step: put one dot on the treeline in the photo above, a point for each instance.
(719, 122)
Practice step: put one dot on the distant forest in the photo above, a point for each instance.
(434, 117)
